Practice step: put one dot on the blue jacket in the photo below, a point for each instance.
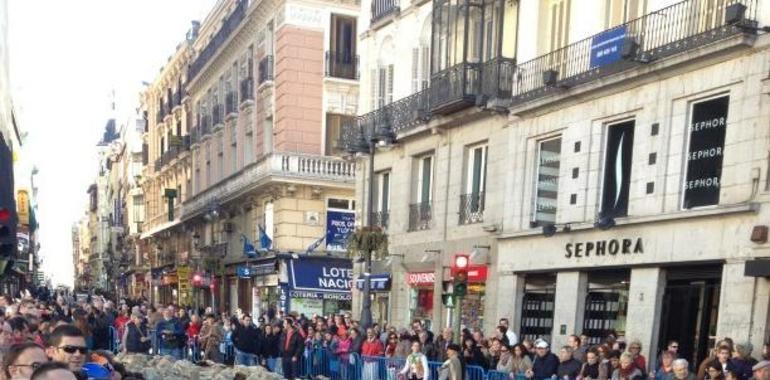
(175, 339)
(545, 367)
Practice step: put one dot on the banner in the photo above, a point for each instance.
(321, 275)
(183, 274)
(606, 47)
(704, 158)
(22, 206)
(339, 224)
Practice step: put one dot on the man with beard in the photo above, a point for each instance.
(67, 345)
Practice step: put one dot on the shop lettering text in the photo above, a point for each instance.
(335, 278)
(426, 278)
(604, 247)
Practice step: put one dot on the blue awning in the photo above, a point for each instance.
(376, 282)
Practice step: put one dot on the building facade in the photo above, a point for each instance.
(627, 160)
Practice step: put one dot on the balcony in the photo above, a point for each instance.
(383, 8)
(158, 164)
(501, 83)
(274, 167)
(247, 89)
(216, 115)
(341, 65)
(420, 215)
(230, 103)
(205, 125)
(266, 69)
(231, 23)
(380, 218)
(160, 115)
(178, 96)
(471, 208)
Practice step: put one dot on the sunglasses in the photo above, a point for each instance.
(73, 349)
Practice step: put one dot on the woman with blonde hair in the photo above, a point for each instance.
(627, 370)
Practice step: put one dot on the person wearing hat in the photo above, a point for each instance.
(545, 363)
(453, 367)
(762, 370)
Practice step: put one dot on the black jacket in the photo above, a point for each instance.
(247, 339)
(475, 357)
(295, 345)
(545, 367)
(570, 368)
(270, 346)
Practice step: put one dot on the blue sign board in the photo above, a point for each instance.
(321, 274)
(376, 282)
(284, 303)
(606, 47)
(243, 271)
(339, 224)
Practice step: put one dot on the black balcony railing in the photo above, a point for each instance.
(420, 215)
(178, 97)
(341, 64)
(380, 218)
(382, 8)
(472, 208)
(216, 114)
(231, 100)
(680, 27)
(247, 89)
(208, 52)
(159, 116)
(266, 69)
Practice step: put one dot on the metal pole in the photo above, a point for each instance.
(366, 309)
(458, 319)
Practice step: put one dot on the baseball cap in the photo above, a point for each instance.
(541, 344)
(761, 365)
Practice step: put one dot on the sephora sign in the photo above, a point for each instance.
(706, 130)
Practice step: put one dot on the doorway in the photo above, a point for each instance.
(690, 311)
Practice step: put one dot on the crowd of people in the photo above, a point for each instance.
(60, 338)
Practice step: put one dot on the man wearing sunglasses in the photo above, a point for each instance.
(67, 345)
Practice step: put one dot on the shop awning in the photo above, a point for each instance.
(376, 282)
(159, 228)
(757, 268)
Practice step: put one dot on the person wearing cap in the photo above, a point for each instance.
(545, 364)
(453, 367)
(762, 370)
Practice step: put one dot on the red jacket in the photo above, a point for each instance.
(193, 330)
(372, 348)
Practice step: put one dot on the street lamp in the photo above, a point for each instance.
(381, 136)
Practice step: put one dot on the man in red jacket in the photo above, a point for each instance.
(372, 346)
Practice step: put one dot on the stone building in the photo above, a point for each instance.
(627, 158)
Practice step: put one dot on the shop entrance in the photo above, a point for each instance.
(606, 305)
(690, 311)
(537, 307)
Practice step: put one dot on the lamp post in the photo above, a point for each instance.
(382, 137)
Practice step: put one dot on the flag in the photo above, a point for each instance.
(248, 247)
(312, 247)
(264, 241)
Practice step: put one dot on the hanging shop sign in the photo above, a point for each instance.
(421, 278)
(611, 247)
(22, 206)
(321, 274)
(607, 47)
(283, 297)
(377, 282)
(185, 287)
(243, 271)
(704, 158)
(339, 225)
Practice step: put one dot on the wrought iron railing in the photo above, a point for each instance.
(266, 69)
(208, 52)
(497, 78)
(472, 208)
(205, 125)
(247, 89)
(159, 116)
(341, 64)
(670, 30)
(420, 215)
(380, 218)
(230, 103)
(216, 114)
(457, 84)
(382, 8)
(178, 96)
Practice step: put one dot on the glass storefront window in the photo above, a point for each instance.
(606, 307)
(473, 307)
(421, 303)
(538, 306)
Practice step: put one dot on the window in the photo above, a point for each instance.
(556, 20)
(334, 126)
(234, 148)
(472, 201)
(381, 212)
(208, 165)
(424, 187)
(267, 136)
(341, 204)
(617, 169)
(248, 149)
(420, 68)
(618, 12)
(384, 86)
(342, 42)
(707, 127)
(138, 208)
(220, 157)
(547, 181)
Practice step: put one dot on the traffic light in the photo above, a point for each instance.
(460, 266)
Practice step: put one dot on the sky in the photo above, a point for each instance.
(66, 58)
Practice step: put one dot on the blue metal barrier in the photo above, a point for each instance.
(114, 340)
(473, 372)
(500, 375)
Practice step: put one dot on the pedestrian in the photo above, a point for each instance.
(740, 361)
(22, 359)
(628, 369)
(416, 366)
(271, 347)
(342, 353)
(509, 333)
(357, 341)
(520, 361)
(428, 348)
(53, 371)
(545, 364)
(505, 361)
(681, 370)
(67, 345)
(453, 368)
(291, 349)
(762, 370)
(666, 366)
(442, 344)
(371, 349)
(592, 368)
(635, 349)
(391, 345)
(404, 345)
(472, 353)
(569, 368)
(170, 334)
(246, 341)
(135, 338)
(210, 337)
(578, 349)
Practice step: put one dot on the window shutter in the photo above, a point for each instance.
(389, 90)
(415, 70)
(373, 90)
(425, 68)
(382, 83)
